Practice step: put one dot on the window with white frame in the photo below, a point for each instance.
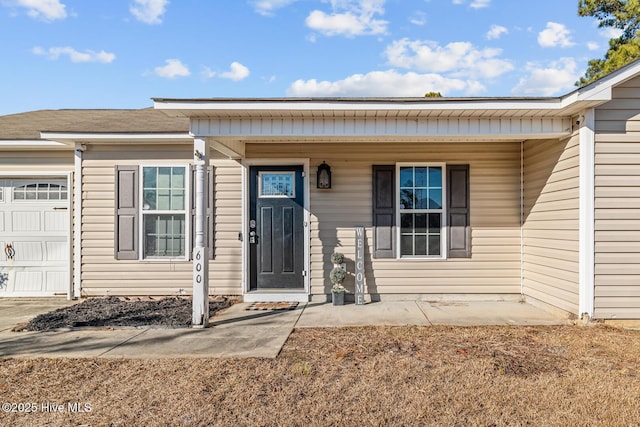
(421, 210)
(164, 211)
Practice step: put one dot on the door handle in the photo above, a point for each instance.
(9, 251)
(253, 238)
(60, 209)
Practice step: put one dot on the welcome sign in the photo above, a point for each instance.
(359, 289)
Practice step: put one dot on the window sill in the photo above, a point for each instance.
(164, 259)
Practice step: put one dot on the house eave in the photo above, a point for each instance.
(33, 144)
(117, 138)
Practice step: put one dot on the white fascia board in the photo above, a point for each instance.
(602, 89)
(204, 106)
(72, 138)
(34, 143)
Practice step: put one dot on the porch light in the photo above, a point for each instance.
(324, 176)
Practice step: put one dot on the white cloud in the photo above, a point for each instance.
(459, 58)
(479, 4)
(74, 55)
(555, 35)
(46, 10)
(385, 83)
(593, 46)
(208, 73)
(496, 31)
(349, 18)
(559, 76)
(174, 68)
(419, 19)
(475, 4)
(611, 33)
(149, 11)
(267, 7)
(236, 73)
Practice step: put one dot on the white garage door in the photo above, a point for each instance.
(34, 237)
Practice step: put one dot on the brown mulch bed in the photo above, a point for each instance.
(372, 376)
(173, 312)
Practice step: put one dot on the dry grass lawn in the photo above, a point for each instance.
(441, 376)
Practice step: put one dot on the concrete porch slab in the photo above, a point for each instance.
(388, 313)
(479, 313)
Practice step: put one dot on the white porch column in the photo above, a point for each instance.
(587, 215)
(200, 251)
(76, 289)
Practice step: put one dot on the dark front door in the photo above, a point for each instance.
(276, 227)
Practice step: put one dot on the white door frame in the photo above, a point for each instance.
(70, 194)
(274, 295)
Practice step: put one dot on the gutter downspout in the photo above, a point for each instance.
(76, 290)
(522, 219)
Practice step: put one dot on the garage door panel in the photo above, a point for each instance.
(24, 221)
(56, 281)
(27, 251)
(28, 281)
(55, 221)
(35, 220)
(57, 251)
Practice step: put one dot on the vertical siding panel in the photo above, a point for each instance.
(617, 159)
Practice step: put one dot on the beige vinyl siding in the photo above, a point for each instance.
(104, 275)
(36, 161)
(494, 267)
(550, 222)
(617, 205)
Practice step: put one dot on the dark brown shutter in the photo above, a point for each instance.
(208, 191)
(126, 212)
(458, 211)
(384, 211)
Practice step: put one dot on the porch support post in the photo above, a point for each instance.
(76, 289)
(587, 215)
(200, 251)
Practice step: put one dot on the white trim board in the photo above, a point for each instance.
(587, 215)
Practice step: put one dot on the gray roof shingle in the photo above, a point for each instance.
(27, 126)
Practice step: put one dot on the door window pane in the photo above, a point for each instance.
(277, 184)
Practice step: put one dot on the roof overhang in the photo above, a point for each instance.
(379, 107)
(32, 144)
(568, 105)
(72, 138)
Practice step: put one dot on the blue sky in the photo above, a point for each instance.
(120, 53)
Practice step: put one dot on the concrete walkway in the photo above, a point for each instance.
(238, 332)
